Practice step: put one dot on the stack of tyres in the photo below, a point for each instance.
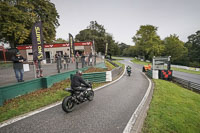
(165, 74)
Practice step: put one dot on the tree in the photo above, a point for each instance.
(97, 33)
(193, 45)
(60, 40)
(123, 46)
(148, 43)
(18, 17)
(174, 48)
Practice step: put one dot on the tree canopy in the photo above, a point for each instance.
(193, 46)
(98, 33)
(60, 40)
(174, 48)
(18, 17)
(147, 42)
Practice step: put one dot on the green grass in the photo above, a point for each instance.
(140, 62)
(32, 101)
(173, 109)
(117, 58)
(118, 63)
(109, 65)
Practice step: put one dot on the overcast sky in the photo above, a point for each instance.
(122, 18)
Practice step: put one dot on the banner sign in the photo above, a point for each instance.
(37, 41)
(71, 44)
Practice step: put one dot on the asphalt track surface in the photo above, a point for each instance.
(109, 112)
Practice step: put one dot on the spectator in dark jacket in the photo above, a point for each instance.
(18, 66)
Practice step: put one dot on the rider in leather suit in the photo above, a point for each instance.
(77, 81)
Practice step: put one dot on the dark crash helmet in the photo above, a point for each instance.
(79, 72)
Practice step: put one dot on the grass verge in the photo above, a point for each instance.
(109, 65)
(173, 109)
(118, 63)
(117, 58)
(140, 62)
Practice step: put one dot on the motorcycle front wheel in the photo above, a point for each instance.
(90, 95)
(68, 104)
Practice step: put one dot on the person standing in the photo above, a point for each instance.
(58, 61)
(18, 66)
(77, 59)
(66, 61)
(83, 60)
(90, 59)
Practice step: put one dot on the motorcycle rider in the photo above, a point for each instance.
(77, 81)
(128, 68)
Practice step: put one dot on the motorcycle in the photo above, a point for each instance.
(76, 97)
(129, 72)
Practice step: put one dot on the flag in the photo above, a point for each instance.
(37, 41)
(71, 44)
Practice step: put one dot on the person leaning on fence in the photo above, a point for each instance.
(18, 66)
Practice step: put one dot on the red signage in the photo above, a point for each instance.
(83, 43)
(56, 45)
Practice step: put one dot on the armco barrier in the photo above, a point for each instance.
(12, 91)
(187, 84)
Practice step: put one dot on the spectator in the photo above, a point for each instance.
(66, 61)
(58, 61)
(77, 59)
(83, 60)
(90, 59)
(18, 66)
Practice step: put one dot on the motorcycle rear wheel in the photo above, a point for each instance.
(68, 104)
(90, 95)
(129, 74)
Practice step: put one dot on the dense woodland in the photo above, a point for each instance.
(18, 16)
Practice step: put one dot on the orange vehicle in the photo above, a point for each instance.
(146, 68)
